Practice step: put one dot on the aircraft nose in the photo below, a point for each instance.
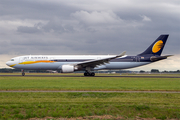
(8, 63)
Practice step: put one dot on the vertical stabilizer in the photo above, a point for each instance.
(157, 46)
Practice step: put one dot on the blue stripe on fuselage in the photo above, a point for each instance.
(124, 59)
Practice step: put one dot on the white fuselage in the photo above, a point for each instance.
(55, 62)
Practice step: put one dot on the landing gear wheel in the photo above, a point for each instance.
(89, 74)
(92, 74)
(85, 74)
(23, 74)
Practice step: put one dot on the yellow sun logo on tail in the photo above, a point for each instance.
(157, 46)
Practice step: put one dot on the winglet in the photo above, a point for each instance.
(122, 54)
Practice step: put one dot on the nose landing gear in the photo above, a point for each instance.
(23, 73)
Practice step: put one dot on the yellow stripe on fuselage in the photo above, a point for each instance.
(38, 61)
(12, 65)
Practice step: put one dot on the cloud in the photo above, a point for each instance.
(87, 27)
(58, 25)
(103, 21)
(145, 18)
(95, 17)
(27, 29)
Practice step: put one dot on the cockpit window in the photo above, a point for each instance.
(12, 59)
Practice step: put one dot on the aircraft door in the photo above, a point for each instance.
(21, 60)
(137, 59)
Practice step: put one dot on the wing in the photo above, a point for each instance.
(96, 62)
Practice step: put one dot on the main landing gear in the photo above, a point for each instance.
(89, 74)
(23, 73)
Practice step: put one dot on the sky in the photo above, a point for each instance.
(89, 27)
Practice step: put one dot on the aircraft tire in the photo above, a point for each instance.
(85, 74)
(23, 74)
(92, 74)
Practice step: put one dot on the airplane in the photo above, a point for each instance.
(89, 63)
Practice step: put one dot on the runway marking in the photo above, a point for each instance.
(91, 91)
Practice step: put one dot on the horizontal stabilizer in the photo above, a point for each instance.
(154, 58)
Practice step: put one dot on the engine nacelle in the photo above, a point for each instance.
(67, 68)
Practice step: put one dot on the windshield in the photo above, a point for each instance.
(12, 59)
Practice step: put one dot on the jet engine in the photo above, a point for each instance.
(67, 68)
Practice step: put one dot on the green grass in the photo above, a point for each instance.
(17, 105)
(89, 83)
(67, 105)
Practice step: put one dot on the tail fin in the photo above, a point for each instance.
(157, 46)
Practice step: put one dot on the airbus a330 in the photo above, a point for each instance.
(90, 63)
